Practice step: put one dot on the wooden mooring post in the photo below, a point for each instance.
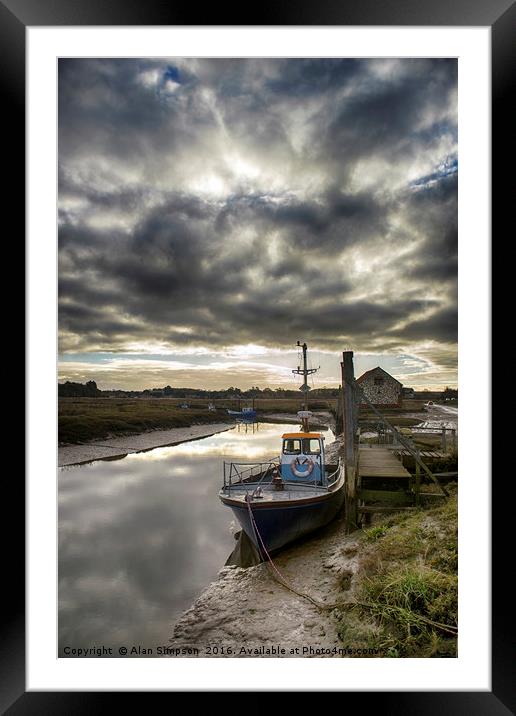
(349, 414)
(417, 486)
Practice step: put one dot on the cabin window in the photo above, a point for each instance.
(292, 447)
(311, 446)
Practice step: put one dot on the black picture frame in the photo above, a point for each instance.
(15, 17)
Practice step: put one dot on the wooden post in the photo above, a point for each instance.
(348, 417)
(443, 439)
(418, 480)
(454, 439)
(349, 430)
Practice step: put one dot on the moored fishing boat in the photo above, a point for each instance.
(289, 496)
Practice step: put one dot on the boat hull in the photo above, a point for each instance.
(278, 524)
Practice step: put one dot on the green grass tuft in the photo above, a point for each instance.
(407, 587)
(374, 533)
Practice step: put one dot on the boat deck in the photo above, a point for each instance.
(269, 494)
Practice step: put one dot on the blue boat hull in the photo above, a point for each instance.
(279, 524)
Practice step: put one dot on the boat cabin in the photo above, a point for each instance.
(302, 457)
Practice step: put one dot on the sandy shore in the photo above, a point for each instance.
(118, 446)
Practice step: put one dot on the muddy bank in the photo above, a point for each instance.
(247, 609)
(437, 416)
(120, 446)
(383, 571)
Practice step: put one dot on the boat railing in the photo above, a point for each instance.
(236, 473)
(333, 477)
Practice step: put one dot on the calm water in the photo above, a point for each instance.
(140, 537)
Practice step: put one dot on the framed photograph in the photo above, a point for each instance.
(202, 195)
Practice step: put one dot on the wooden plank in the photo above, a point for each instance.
(424, 454)
(387, 459)
(380, 462)
(397, 496)
(385, 508)
(380, 474)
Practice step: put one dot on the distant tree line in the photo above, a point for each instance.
(450, 394)
(446, 394)
(90, 390)
(78, 390)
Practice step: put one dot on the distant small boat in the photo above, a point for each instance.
(244, 413)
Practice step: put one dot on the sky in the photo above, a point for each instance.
(213, 212)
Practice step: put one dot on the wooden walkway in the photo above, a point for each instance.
(379, 461)
(375, 473)
(423, 454)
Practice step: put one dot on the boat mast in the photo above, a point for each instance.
(305, 372)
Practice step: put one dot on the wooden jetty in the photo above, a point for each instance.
(376, 461)
(430, 457)
(425, 454)
(382, 478)
(376, 473)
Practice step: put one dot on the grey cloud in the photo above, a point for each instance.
(434, 210)
(382, 117)
(255, 263)
(441, 326)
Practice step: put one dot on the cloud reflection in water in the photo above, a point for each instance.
(139, 538)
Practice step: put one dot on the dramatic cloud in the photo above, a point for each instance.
(206, 205)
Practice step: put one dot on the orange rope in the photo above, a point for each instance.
(280, 577)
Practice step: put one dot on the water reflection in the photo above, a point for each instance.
(140, 537)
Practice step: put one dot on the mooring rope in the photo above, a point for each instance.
(276, 574)
(281, 579)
